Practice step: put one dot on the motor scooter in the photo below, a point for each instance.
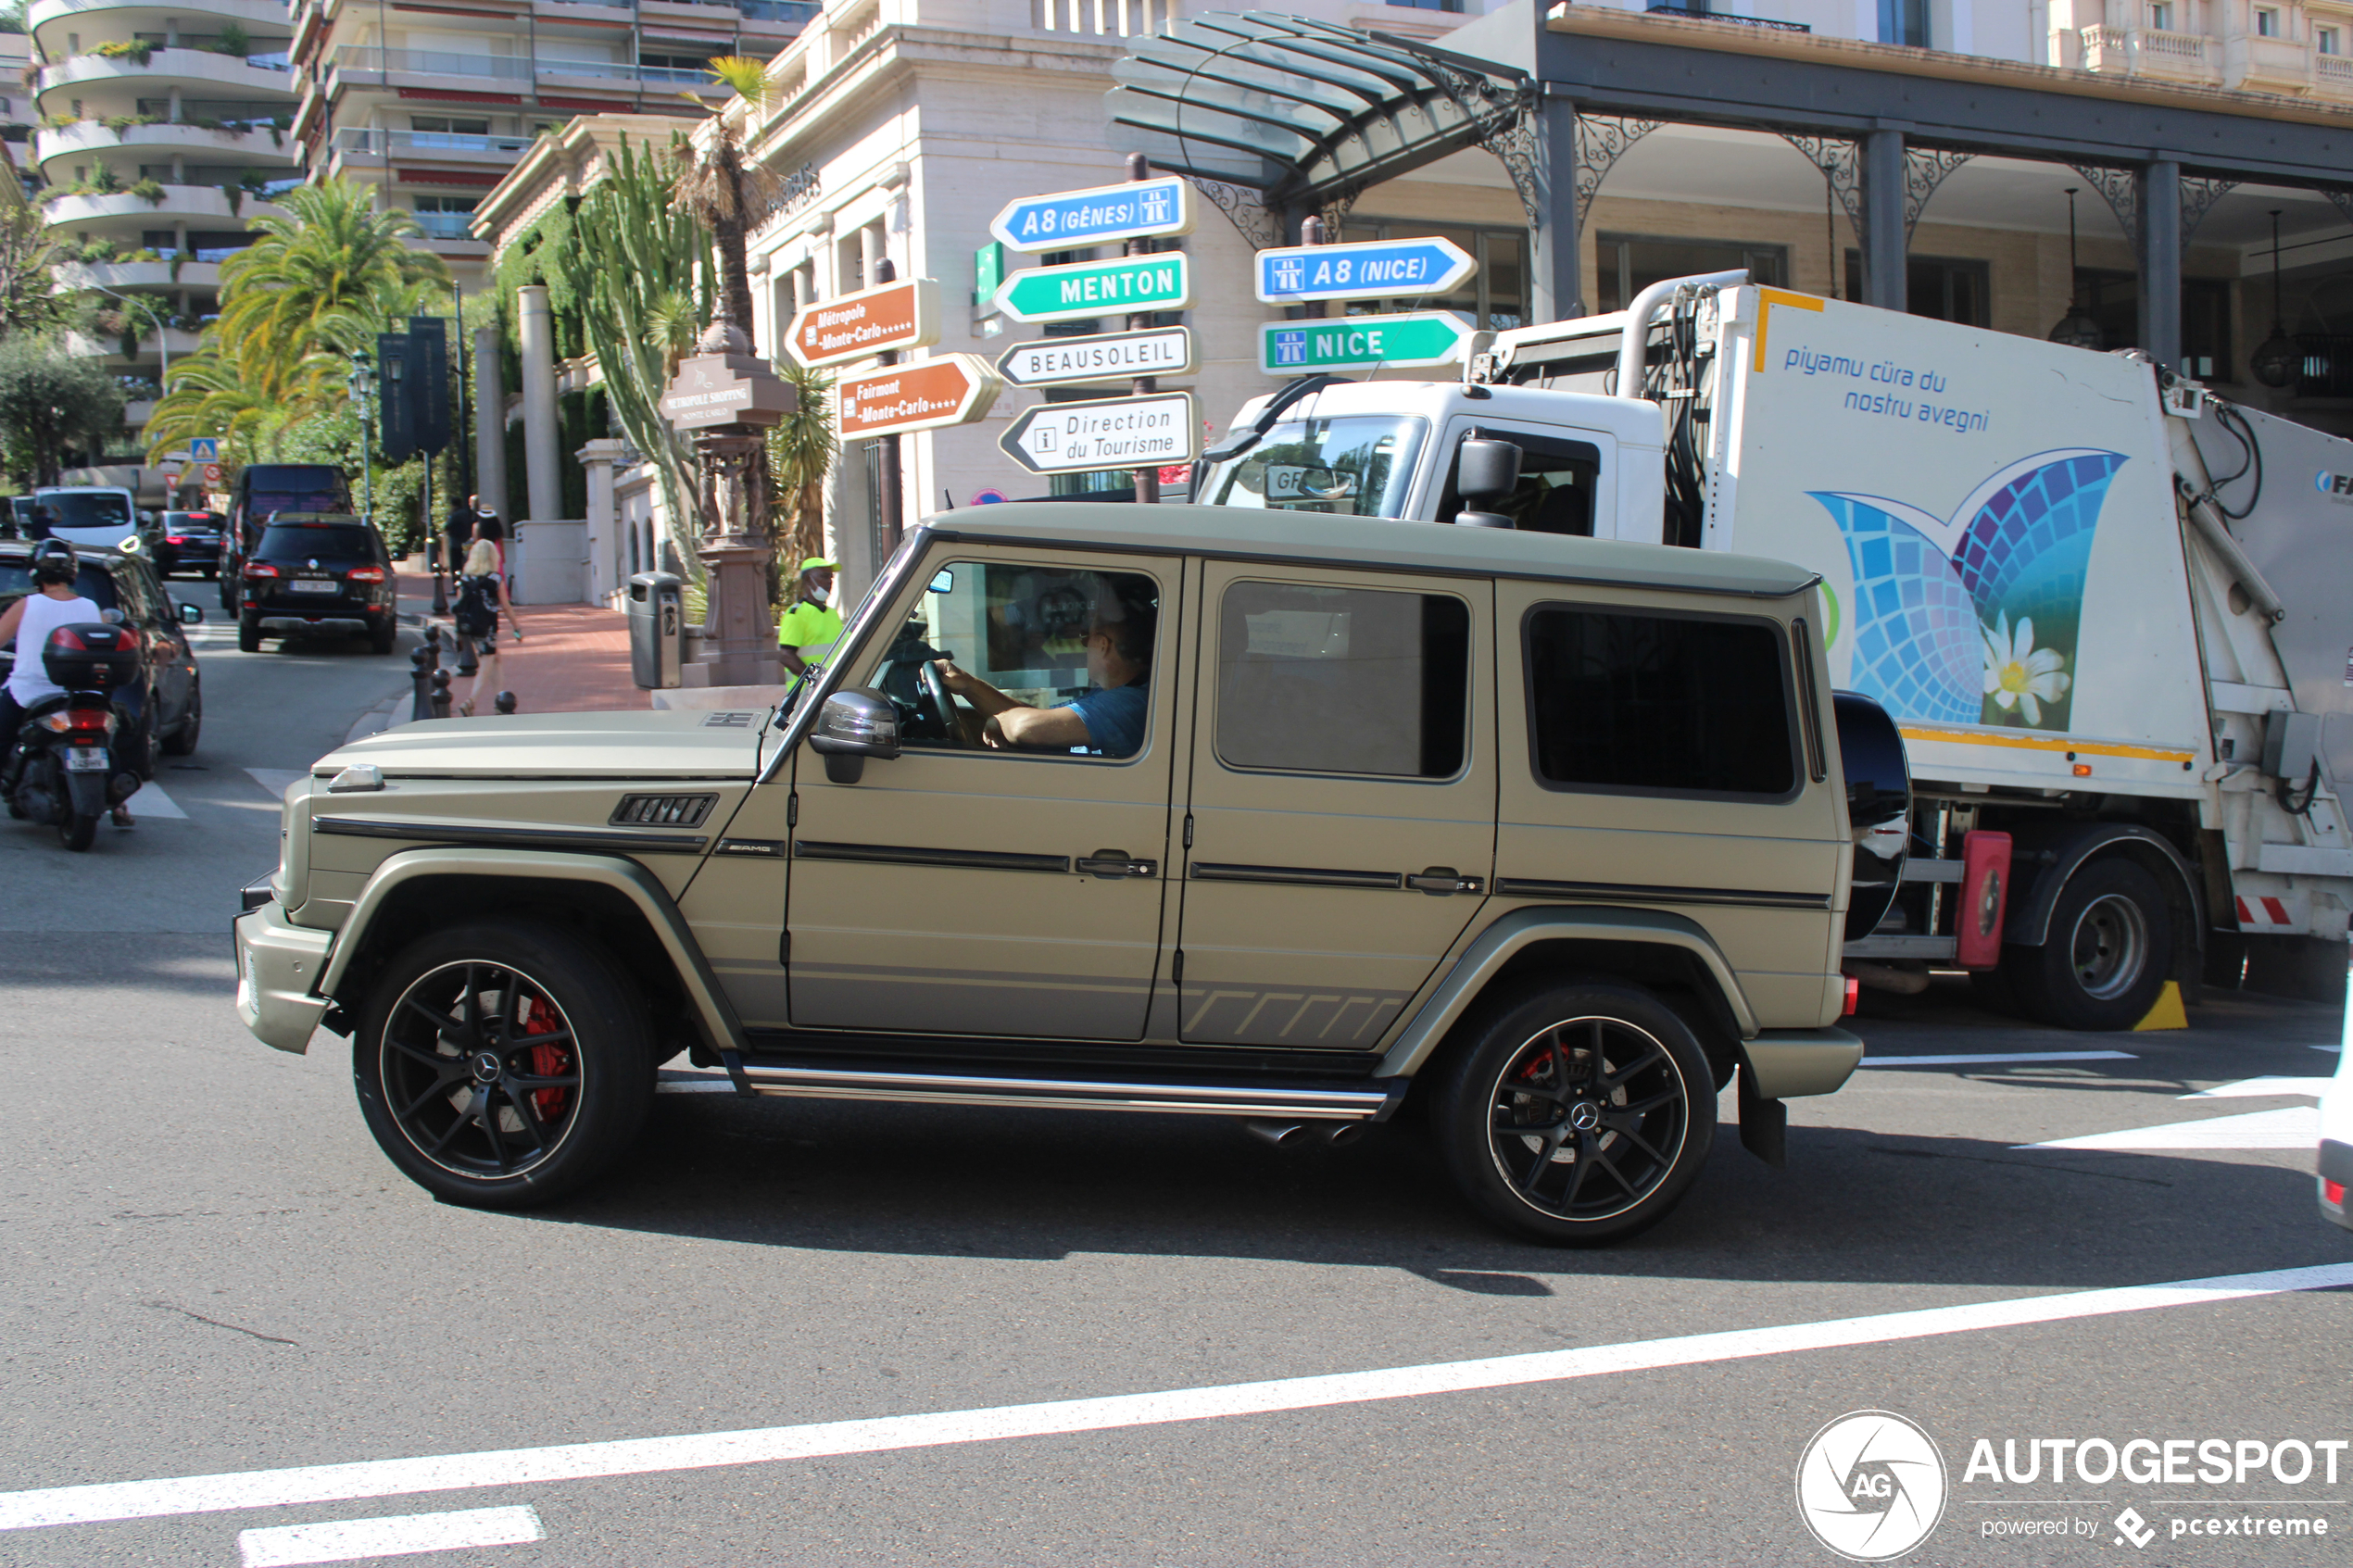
(63, 772)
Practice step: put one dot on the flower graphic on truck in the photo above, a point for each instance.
(2019, 672)
(1973, 619)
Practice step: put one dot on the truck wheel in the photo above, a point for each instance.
(503, 1064)
(2109, 948)
(1578, 1115)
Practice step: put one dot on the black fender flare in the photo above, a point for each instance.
(2044, 859)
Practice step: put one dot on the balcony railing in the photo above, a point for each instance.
(1703, 14)
(801, 12)
(357, 139)
(512, 68)
(444, 225)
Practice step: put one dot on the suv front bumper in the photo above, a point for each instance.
(278, 963)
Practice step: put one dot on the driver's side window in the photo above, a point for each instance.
(1007, 657)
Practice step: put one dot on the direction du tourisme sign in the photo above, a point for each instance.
(1151, 431)
(1367, 270)
(1139, 209)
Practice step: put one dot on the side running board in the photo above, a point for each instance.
(1372, 1102)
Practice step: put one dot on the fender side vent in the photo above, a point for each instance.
(661, 810)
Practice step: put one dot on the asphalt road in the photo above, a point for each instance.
(210, 1270)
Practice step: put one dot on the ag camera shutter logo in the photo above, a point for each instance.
(1871, 1485)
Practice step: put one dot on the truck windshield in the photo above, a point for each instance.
(1358, 466)
(87, 508)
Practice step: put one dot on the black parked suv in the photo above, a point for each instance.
(317, 572)
(165, 705)
(189, 542)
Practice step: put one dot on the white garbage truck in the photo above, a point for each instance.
(2110, 612)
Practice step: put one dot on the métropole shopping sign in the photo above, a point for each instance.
(1150, 430)
(724, 389)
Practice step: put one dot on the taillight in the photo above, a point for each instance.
(261, 569)
(175, 539)
(66, 637)
(367, 574)
(93, 720)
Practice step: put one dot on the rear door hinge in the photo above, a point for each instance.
(1177, 967)
(1189, 830)
(792, 809)
(784, 947)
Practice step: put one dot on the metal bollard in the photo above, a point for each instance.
(467, 664)
(506, 702)
(441, 693)
(420, 673)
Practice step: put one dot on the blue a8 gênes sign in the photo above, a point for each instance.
(1365, 269)
(1138, 209)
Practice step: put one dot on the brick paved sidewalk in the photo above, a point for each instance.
(572, 658)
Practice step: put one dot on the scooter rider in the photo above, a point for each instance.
(30, 620)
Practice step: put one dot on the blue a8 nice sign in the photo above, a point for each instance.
(1139, 209)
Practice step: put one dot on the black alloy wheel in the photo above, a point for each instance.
(503, 1065)
(1580, 1114)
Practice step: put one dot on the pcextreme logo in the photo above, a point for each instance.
(1870, 1485)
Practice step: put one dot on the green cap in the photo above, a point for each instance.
(816, 563)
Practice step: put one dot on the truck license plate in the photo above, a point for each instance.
(86, 760)
(312, 586)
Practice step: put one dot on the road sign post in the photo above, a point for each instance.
(873, 321)
(1112, 433)
(1361, 269)
(1429, 337)
(1130, 284)
(1143, 209)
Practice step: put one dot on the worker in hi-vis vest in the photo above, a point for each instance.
(811, 624)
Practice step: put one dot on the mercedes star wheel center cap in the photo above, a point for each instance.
(1585, 1116)
(487, 1067)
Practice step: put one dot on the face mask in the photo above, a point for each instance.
(818, 596)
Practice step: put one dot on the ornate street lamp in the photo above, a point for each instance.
(2277, 358)
(2076, 329)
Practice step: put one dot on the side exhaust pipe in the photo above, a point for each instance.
(1282, 1135)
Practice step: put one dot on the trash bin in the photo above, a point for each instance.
(657, 629)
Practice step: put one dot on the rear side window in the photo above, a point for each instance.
(340, 541)
(1656, 704)
(1342, 681)
(91, 582)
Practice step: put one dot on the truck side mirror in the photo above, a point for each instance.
(1485, 471)
(852, 726)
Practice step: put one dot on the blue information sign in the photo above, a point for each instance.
(1139, 209)
(1370, 270)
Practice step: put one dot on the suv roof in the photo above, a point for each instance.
(1327, 540)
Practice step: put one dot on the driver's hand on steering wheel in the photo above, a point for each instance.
(957, 682)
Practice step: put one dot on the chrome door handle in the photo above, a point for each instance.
(1113, 865)
(1440, 881)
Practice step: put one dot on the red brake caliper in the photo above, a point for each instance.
(546, 1061)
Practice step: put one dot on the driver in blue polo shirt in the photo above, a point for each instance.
(1108, 721)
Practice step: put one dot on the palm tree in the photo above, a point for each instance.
(801, 449)
(720, 186)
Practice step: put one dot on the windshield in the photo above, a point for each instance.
(346, 541)
(87, 508)
(190, 520)
(1358, 466)
(293, 487)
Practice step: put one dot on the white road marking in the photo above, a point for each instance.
(151, 801)
(704, 1450)
(1993, 1058)
(348, 1540)
(2261, 1088)
(2297, 1127)
(275, 780)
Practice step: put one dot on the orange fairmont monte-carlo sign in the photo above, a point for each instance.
(871, 321)
(953, 389)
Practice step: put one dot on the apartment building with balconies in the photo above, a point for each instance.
(434, 104)
(161, 132)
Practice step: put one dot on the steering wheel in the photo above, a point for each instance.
(942, 711)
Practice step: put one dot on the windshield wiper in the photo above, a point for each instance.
(1240, 442)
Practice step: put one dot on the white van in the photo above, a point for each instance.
(90, 514)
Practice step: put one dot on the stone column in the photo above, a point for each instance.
(607, 552)
(2161, 203)
(1884, 197)
(490, 423)
(543, 482)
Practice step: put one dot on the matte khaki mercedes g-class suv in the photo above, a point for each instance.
(1272, 816)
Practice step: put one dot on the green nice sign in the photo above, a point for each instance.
(1163, 282)
(1363, 343)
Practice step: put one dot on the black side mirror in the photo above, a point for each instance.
(191, 615)
(1485, 471)
(852, 726)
